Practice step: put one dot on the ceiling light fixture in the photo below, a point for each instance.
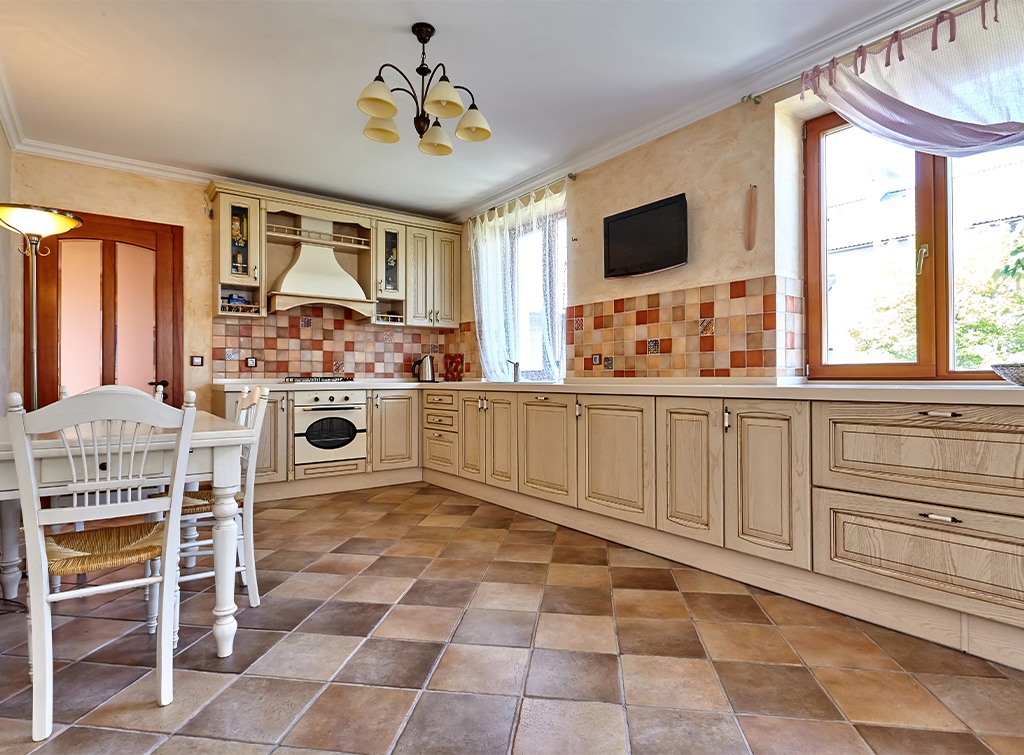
(440, 100)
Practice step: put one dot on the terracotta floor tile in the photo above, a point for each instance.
(443, 724)
(508, 596)
(353, 719)
(649, 604)
(457, 509)
(878, 697)
(693, 580)
(583, 555)
(368, 589)
(538, 554)
(77, 689)
(310, 585)
(198, 610)
(191, 745)
(992, 706)
(340, 563)
(315, 657)
(566, 536)
(14, 676)
(521, 572)
(419, 623)
(431, 534)
(840, 648)
(592, 601)
(1001, 745)
(367, 546)
(746, 642)
(440, 592)
(667, 637)
(283, 560)
(479, 535)
(391, 663)
(252, 709)
(642, 578)
(523, 522)
(412, 506)
(922, 657)
(621, 556)
(786, 611)
(280, 514)
(249, 645)
(278, 614)
(765, 690)
(657, 731)
(80, 740)
(558, 727)
(570, 632)
(788, 736)
(469, 550)
(578, 575)
(457, 569)
(574, 676)
(397, 566)
(415, 549)
(378, 531)
(79, 637)
(486, 669)
(891, 740)
(526, 537)
(489, 627)
(138, 648)
(343, 618)
(720, 607)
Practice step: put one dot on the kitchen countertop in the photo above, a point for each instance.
(794, 389)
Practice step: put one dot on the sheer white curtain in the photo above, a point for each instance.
(519, 287)
(950, 87)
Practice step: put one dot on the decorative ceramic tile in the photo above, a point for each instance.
(305, 322)
(707, 326)
(653, 346)
(609, 363)
(231, 355)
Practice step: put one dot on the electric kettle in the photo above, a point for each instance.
(424, 369)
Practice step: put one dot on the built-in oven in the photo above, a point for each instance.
(329, 426)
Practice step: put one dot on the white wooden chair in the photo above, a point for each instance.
(105, 437)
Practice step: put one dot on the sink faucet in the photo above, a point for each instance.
(515, 370)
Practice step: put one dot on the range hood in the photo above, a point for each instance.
(315, 277)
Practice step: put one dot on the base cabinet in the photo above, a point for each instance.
(395, 430)
(501, 455)
(441, 451)
(547, 446)
(767, 480)
(272, 451)
(615, 449)
(472, 434)
(688, 460)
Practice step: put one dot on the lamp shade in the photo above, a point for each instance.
(443, 101)
(435, 141)
(473, 127)
(29, 220)
(377, 101)
(382, 130)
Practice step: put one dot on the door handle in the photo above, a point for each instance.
(921, 254)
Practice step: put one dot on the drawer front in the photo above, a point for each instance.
(329, 469)
(964, 456)
(441, 451)
(439, 419)
(57, 470)
(966, 560)
(439, 398)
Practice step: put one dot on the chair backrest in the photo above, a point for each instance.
(105, 436)
(252, 408)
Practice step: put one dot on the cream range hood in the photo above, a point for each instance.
(316, 277)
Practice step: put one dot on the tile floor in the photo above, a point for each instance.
(410, 620)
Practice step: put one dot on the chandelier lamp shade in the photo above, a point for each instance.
(438, 99)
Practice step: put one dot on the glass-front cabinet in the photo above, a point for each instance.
(390, 261)
(238, 226)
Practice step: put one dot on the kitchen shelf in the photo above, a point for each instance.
(335, 240)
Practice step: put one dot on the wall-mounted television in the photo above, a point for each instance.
(646, 239)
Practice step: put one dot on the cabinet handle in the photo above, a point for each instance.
(255, 273)
(541, 398)
(726, 424)
(435, 419)
(380, 286)
(479, 404)
(940, 518)
(486, 406)
(951, 415)
(437, 435)
(376, 402)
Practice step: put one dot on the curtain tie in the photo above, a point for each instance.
(862, 54)
(832, 65)
(897, 37)
(943, 16)
(995, 13)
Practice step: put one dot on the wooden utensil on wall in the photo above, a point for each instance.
(750, 229)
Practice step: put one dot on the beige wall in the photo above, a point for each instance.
(7, 254)
(55, 183)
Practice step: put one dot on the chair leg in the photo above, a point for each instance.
(153, 607)
(189, 535)
(247, 555)
(147, 572)
(240, 553)
(165, 631)
(55, 529)
(41, 656)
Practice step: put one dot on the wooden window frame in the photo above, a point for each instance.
(934, 353)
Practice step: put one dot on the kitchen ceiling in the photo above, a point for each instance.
(266, 91)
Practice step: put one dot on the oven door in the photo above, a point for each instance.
(329, 434)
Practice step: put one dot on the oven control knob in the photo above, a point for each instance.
(315, 399)
(346, 398)
(330, 398)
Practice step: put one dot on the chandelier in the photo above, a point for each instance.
(440, 100)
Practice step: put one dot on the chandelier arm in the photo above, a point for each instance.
(400, 73)
(444, 72)
(24, 239)
(466, 89)
(410, 93)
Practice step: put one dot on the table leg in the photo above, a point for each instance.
(10, 555)
(226, 478)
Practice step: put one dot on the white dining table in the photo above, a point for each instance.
(214, 456)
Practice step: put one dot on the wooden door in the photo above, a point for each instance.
(615, 446)
(390, 261)
(547, 446)
(419, 276)
(117, 237)
(240, 238)
(472, 434)
(767, 480)
(447, 274)
(395, 430)
(502, 439)
(689, 468)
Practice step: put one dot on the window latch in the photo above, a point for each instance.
(921, 254)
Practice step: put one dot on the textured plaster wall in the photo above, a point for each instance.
(7, 254)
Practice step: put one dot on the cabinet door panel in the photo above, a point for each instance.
(240, 239)
(616, 457)
(390, 261)
(419, 276)
(767, 490)
(447, 274)
(471, 435)
(395, 430)
(502, 453)
(547, 446)
(441, 451)
(689, 468)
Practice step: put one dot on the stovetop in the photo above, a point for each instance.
(332, 379)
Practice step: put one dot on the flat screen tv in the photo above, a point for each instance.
(646, 239)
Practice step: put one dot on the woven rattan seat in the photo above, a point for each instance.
(201, 502)
(103, 548)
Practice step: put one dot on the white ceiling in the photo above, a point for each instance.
(265, 91)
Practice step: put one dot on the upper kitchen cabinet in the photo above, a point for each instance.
(433, 278)
(239, 282)
(390, 261)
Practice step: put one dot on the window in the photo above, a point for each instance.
(535, 355)
(915, 263)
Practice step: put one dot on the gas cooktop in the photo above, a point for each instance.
(331, 379)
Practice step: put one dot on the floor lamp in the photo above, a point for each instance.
(34, 224)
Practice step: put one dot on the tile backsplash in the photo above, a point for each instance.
(324, 341)
(747, 328)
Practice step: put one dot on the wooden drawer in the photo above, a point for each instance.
(441, 451)
(439, 419)
(439, 398)
(964, 456)
(333, 469)
(966, 560)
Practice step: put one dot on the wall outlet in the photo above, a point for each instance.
(595, 360)
(197, 361)
(250, 361)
